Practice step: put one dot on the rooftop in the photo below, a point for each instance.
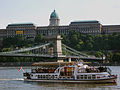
(20, 24)
(87, 21)
(55, 63)
(111, 26)
(54, 15)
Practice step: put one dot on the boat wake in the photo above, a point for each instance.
(14, 79)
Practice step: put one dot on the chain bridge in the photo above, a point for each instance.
(53, 48)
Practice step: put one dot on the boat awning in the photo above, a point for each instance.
(53, 63)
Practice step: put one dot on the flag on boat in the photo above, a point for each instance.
(20, 68)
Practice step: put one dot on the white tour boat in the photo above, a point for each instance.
(71, 72)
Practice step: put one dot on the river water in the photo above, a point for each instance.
(11, 79)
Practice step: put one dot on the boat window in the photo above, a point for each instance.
(52, 76)
(38, 76)
(60, 77)
(93, 76)
(78, 77)
(46, 76)
(55, 76)
(43, 76)
(85, 76)
(81, 76)
(31, 75)
(68, 77)
(89, 76)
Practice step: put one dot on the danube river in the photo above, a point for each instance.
(11, 79)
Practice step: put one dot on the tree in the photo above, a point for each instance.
(99, 54)
(39, 38)
(116, 57)
(80, 45)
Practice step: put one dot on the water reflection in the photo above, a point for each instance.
(68, 86)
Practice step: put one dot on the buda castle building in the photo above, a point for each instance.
(29, 30)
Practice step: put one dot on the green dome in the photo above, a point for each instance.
(54, 15)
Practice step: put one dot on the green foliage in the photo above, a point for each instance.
(64, 52)
(103, 44)
(109, 55)
(85, 42)
(99, 54)
(13, 42)
(6, 49)
(76, 40)
(116, 57)
(39, 39)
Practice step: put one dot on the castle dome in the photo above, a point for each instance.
(54, 15)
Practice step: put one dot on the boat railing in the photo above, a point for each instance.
(94, 70)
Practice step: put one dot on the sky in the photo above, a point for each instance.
(38, 11)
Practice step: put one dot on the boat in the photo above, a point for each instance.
(69, 72)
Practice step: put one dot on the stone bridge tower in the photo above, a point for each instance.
(56, 45)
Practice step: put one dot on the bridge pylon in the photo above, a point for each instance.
(55, 48)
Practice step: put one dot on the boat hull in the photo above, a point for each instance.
(108, 80)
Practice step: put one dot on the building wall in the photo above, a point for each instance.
(29, 31)
(88, 27)
(110, 29)
(25, 30)
(2, 35)
(43, 30)
(52, 30)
